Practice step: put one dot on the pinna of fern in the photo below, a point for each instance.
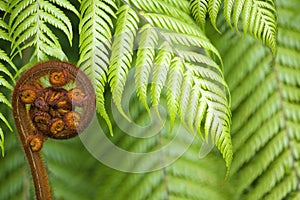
(256, 17)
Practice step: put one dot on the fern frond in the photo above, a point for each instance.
(173, 85)
(121, 53)
(160, 72)
(258, 18)
(213, 8)
(185, 43)
(144, 61)
(199, 10)
(95, 31)
(263, 23)
(28, 26)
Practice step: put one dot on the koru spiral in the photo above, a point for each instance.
(50, 100)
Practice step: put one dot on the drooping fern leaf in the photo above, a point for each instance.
(181, 47)
(122, 52)
(258, 17)
(144, 62)
(265, 104)
(95, 42)
(30, 25)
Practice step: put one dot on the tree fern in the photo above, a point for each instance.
(174, 64)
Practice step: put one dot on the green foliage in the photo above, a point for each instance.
(265, 105)
(6, 77)
(201, 72)
(95, 32)
(258, 16)
(29, 26)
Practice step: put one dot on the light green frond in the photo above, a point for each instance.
(144, 62)
(95, 41)
(193, 110)
(29, 23)
(263, 25)
(213, 11)
(186, 90)
(228, 5)
(185, 43)
(199, 10)
(160, 71)
(238, 7)
(174, 82)
(122, 52)
(218, 117)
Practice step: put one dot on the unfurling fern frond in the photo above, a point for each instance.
(95, 41)
(258, 17)
(173, 53)
(29, 26)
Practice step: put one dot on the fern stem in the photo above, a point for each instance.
(38, 171)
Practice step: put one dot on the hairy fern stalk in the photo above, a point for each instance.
(222, 72)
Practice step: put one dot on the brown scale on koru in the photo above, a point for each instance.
(60, 110)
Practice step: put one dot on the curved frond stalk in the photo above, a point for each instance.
(95, 31)
(121, 53)
(199, 10)
(28, 27)
(144, 61)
